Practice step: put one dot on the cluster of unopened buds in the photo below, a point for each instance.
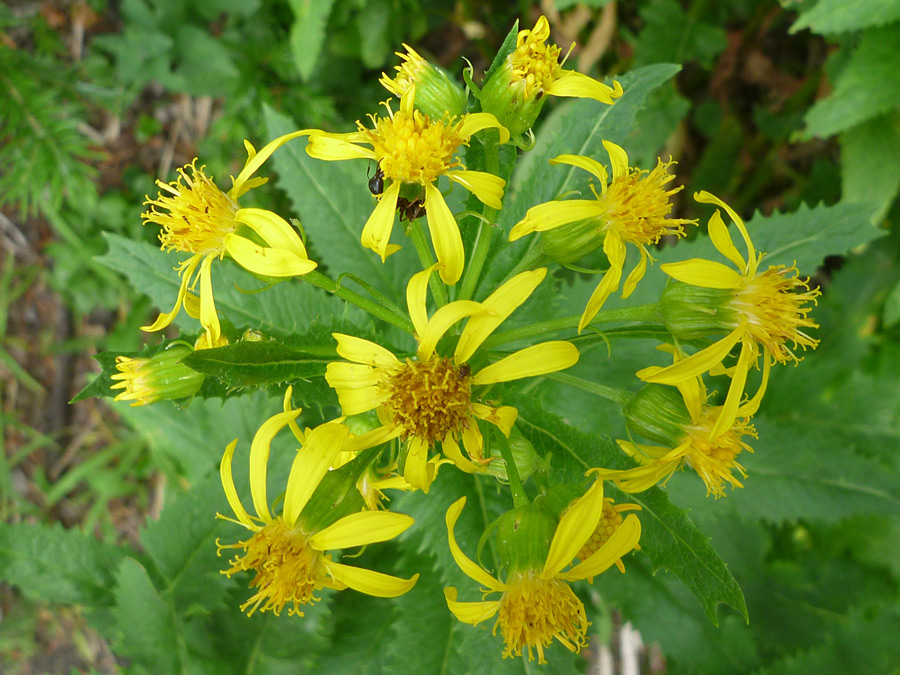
(406, 415)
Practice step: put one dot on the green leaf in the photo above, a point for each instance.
(308, 32)
(870, 163)
(56, 565)
(671, 35)
(669, 539)
(842, 16)
(285, 308)
(334, 202)
(867, 87)
(253, 363)
(147, 632)
(506, 48)
(204, 62)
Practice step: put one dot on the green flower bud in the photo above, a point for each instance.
(568, 243)
(436, 93)
(158, 378)
(510, 101)
(526, 459)
(691, 312)
(523, 538)
(658, 413)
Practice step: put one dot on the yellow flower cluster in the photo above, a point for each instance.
(441, 398)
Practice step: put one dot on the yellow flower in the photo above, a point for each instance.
(709, 443)
(198, 218)
(429, 399)
(536, 604)
(435, 93)
(516, 92)
(414, 149)
(160, 377)
(632, 209)
(766, 310)
(288, 551)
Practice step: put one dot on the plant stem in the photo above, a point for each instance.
(424, 250)
(485, 228)
(647, 313)
(512, 471)
(620, 396)
(316, 278)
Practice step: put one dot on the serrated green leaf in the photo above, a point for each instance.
(668, 538)
(144, 621)
(308, 32)
(285, 308)
(671, 35)
(334, 203)
(57, 565)
(867, 87)
(843, 16)
(870, 163)
(246, 364)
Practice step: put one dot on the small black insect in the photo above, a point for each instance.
(410, 209)
(464, 371)
(376, 182)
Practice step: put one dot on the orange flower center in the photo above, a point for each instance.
(287, 568)
(430, 399)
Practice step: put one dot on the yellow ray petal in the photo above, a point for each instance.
(369, 582)
(705, 197)
(588, 164)
(555, 214)
(273, 229)
(475, 122)
(467, 566)
(359, 529)
(614, 248)
(486, 186)
(470, 612)
(721, 239)
(234, 501)
(441, 321)
(377, 231)
(343, 375)
(259, 457)
(618, 159)
(623, 540)
(310, 464)
(695, 364)
(578, 85)
(415, 469)
(546, 357)
(639, 478)
(163, 320)
(445, 236)
(336, 147)
(473, 441)
(451, 449)
(574, 529)
(372, 438)
(750, 407)
(256, 160)
(356, 401)
(209, 319)
(498, 306)
(703, 273)
(417, 297)
(271, 262)
(359, 350)
(636, 274)
(503, 417)
(735, 391)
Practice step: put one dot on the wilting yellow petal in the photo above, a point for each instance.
(167, 318)
(451, 450)
(546, 357)
(695, 364)
(470, 612)
(256, 160)
(369, 582)
(310, 465)
(441, 321)
(574, 529)
(271, 262)
(705, 197)
(467, 566)
(498, 306)
(555, 214)
(590, 165)
(475, 122)
(618, 159)
(360, 350)
(377, 231)
(503, 417)
(623, 540)
(259, 458)
(704, 273)
(445, 236)
(721, 239)
(234, 501)
(359, 529)
(486, 186)
(578, 85)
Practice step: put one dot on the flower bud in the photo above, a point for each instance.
(436, 94)
(691, 312)
(160, 377)
(657, 413)
(570, 242)
(523, 538)
(526, 459)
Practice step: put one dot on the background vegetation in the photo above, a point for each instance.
(789, 108)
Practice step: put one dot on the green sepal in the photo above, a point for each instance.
(658, 413)
(523, 538)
